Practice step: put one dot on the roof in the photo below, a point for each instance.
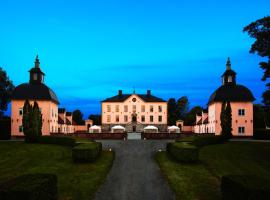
(205, 121)
(60, 120)
(200, 121)
(68, 113)
(61, 110)
(232, 93)
(34, 92)
(173, 127)
(68, 122)
(144, 97)
(150, 127)
(118, 127)
(229, 72)
(95, 127)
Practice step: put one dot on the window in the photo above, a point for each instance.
(108, 118)
(134, 108)
(151, 108)
(108, 108)
(241, 130)
(20, 129)
(52, 113)
(143, 118)
(143, 108)
(125, 118)
(159, 108)
(241, 112)
(20, 111)
(117, 108)
(230, 79)
(125, 108)
(35, 76)
(151, 118)
(117, 118)
(160, 118)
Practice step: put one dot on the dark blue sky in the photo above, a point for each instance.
(90, 49)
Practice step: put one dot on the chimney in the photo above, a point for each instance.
(148, 92)
(120, 92)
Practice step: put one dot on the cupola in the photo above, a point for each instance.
(36, 75)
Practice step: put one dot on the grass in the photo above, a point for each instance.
(202, 181)
(75, 181)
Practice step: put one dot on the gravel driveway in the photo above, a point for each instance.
(135, 174)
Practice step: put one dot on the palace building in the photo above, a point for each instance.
(134, 112)
(54, 120)
(240, 98)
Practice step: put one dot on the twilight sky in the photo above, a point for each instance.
(90, 49)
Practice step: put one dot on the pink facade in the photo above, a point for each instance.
(240, 99)
(49, 111)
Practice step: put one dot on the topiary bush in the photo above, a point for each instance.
(240, 187)
(30, 187)
(60, 140)
(87, 152)
(183, 152)
(201, 141)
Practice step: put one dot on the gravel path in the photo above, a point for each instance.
(135, 174)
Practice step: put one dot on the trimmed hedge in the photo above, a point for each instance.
(65, 141)
(183, 152)
(5, 129)
(240, 187)
(201, 141)
(30, 187)
(86, 152)
(261, 134)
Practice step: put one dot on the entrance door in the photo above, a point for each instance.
(133, 129)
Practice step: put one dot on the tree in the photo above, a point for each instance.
(6, 89)
(260, 31)
(32, 121)
(190, 117)
(77, 117)
(226, 120)
(171, 111)
(181, 107)
(96, 119)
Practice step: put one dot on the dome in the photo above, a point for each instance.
(232, 93)
(34, 92)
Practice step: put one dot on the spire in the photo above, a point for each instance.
(228, 64)
(37, 62)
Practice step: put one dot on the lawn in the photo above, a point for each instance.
(202, 180)
(75, 181)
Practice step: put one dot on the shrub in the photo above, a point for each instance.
(201, 141)
(65, 141)
(30, 187)
(5, 129)
(241, 187)
(87, 152)
(261, 134)
(183, 152)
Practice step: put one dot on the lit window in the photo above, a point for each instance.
(126, 108)
(151, 118)
(108, 118)
(108, 108)
(20, 129)
(117, 108)
(159, 108)
(151, 108)
(125, 118)
(241, 130)
(20, 111)
(143, 108)
(241, 112)
(117, 118)
(160, 118)
(230, 79)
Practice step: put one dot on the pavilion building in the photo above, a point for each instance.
(240, 98)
